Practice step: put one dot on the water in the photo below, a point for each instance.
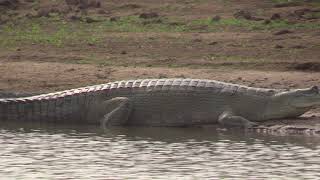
(87, 152)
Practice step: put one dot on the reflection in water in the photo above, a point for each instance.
(87, 152)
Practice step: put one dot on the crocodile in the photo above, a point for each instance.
(162, 102)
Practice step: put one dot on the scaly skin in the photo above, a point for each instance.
(160, 102)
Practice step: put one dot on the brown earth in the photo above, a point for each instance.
(273, 58)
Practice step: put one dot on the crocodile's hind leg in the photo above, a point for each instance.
(118, 109)
(119, 115)
(110, 112)
(228, 119)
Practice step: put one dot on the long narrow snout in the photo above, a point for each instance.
(316, 97)
(303, 98)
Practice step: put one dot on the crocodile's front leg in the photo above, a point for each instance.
(228, 119)
(118, 109)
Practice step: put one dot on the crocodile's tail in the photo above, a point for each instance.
(4, 95)
(58, 106)
(9, 104)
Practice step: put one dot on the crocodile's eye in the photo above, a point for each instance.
(315, 89)
(308, 92)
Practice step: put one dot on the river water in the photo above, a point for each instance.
(30, 151)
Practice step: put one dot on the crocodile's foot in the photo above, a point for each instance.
(229, 120)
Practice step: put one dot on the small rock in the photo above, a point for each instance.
(257, 19)
(242, 14)
(131, 6)
(197, 40)
(70, 70)
(275, 16)
(286, 4)
(114, 19)
(161, 76)
(9, 3)
(4, 19)
(213, 43)
(72, 2)
(278, 46)
(63, 9)
(293, 85)
(298, 47)
(101, 11)
(44, 12)
(307, 66)
(31, 14)
(15, 57)
(216, 18)
(176, 23)
(91, 20)
(301, 12)
(123, 52)
(152, 21)
(95, 4)
(149, 15)
(182, 76)
(83, 4)
(267, 21)
(199, 27)
(74, 17)
(285, 31)
(18, 49)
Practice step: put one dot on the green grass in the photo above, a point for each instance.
(170, 7)
(40, 31)
(253, 25)
(312, 2)
(285, 1)
(57, 32)
(136, 24)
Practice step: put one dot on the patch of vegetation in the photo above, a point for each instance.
(170, 7)
(232, 58)
(136, 24)
(47, 31)
(313, 15)
(285, 1)
(253, 25)
(58, 32)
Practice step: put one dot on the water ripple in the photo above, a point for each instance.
(153, 153)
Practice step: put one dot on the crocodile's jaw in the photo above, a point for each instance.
(302, 98)
(309, 103)
(292, 103)
(306, 102)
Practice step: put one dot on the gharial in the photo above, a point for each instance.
(162, 102)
